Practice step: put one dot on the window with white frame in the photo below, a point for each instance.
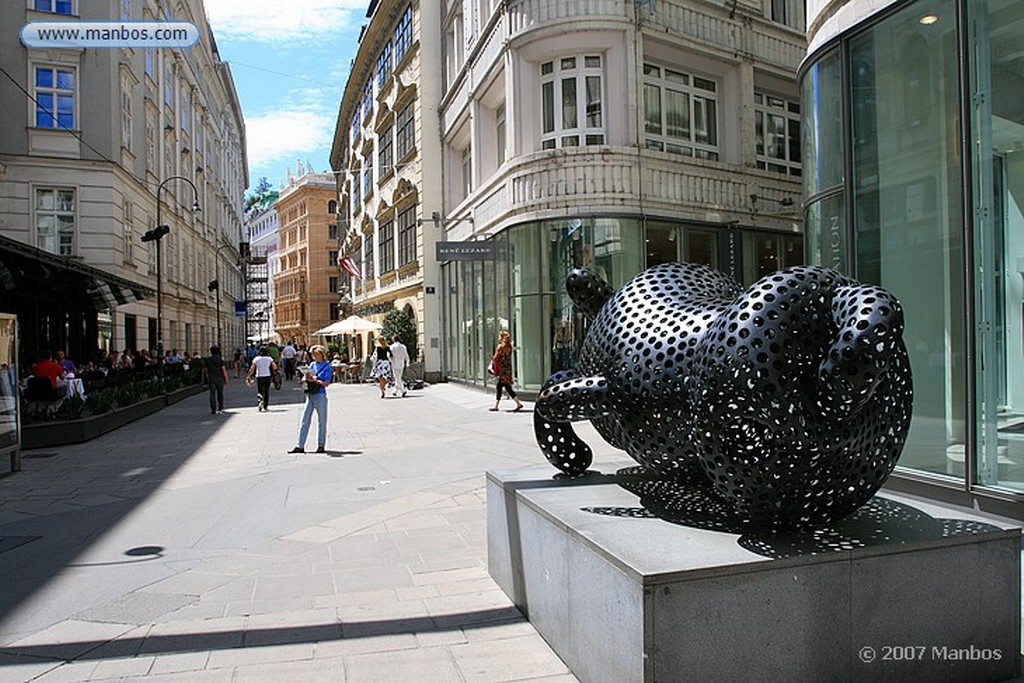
(572, 111)
(54, 6)
(55, 94)
(386, 246)
(357, 197)
(407, 236)
(453, 48)
(467, 171)
(680, 112)
(385, 151)
(499, 133)
(403, 34)
(126, 112)
(55, 220)
(777, 124)
(788, 12)
(356, 124)
(367, 100)
(129, 232)
(150, 61)
(368, 176)
(150, 140)
(405, 136)
(367, 257)
(168, 86)
(384, 65)
(186, 114)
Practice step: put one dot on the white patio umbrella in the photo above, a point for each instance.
(350, 325)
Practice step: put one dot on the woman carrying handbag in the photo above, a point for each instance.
(503, 360)
(316, 380)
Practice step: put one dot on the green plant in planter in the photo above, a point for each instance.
(397, 325)
(101, 401)
(129, 394)
(150, 387)
(172, 383)
(75, 406)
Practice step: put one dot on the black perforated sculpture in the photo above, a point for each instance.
(793, 396)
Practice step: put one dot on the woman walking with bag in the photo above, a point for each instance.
(316, 380)
(503, 359)
(382, 365)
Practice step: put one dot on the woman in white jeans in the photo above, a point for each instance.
(316, 380)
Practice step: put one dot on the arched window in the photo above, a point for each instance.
(332, 206)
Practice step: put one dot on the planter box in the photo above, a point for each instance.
(62, 432)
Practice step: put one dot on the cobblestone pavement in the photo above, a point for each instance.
(192, 547)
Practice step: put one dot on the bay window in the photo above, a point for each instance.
(572, 96)
(777, 121)
(680, 112)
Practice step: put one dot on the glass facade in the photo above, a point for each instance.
(895, 196)
(523, 288)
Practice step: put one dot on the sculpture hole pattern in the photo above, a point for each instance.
(793, 396)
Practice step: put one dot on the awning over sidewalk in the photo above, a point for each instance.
(29, 271)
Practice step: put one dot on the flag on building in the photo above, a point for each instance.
(350, 266)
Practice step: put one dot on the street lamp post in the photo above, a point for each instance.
(156, 235)
(214, 287)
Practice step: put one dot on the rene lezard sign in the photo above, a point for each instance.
(465, 251)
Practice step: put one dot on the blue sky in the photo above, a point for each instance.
(290, 61)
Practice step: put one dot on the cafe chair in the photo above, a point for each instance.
(42, 396)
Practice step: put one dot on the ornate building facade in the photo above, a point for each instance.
(386, 157)
(306, 281)
(612, 135)
(92, 139)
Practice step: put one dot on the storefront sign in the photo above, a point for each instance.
(465, 251)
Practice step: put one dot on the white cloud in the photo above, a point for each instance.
(271, 21)
(283, 136)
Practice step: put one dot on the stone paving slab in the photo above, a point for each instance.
(367, 564)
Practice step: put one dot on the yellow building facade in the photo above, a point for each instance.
(306, 282)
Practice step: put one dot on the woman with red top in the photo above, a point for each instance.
(503, 359)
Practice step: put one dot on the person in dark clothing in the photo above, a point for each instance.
(215, 374)
(503, 359)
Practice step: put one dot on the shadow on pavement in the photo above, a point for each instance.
(48, 532)
(257, 637)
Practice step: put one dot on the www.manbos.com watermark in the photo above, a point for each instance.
(926, 653)
(111, 34)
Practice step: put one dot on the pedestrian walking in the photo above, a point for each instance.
(238, 362)
(263, 368)
(382, 365)
(316, 380)
(399, 361)
(215, 374)
(288, 354)
(503, 360)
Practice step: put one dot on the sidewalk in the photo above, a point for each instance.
(192, 547)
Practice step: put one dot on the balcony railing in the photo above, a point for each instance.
(614, 179)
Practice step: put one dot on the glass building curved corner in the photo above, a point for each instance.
(913, 134)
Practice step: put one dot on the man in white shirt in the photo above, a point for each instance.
(288, 359)
(263, 367)
(399, 360)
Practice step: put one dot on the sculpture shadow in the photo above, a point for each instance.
(691, 501)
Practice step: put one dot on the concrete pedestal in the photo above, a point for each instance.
(903, 593)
